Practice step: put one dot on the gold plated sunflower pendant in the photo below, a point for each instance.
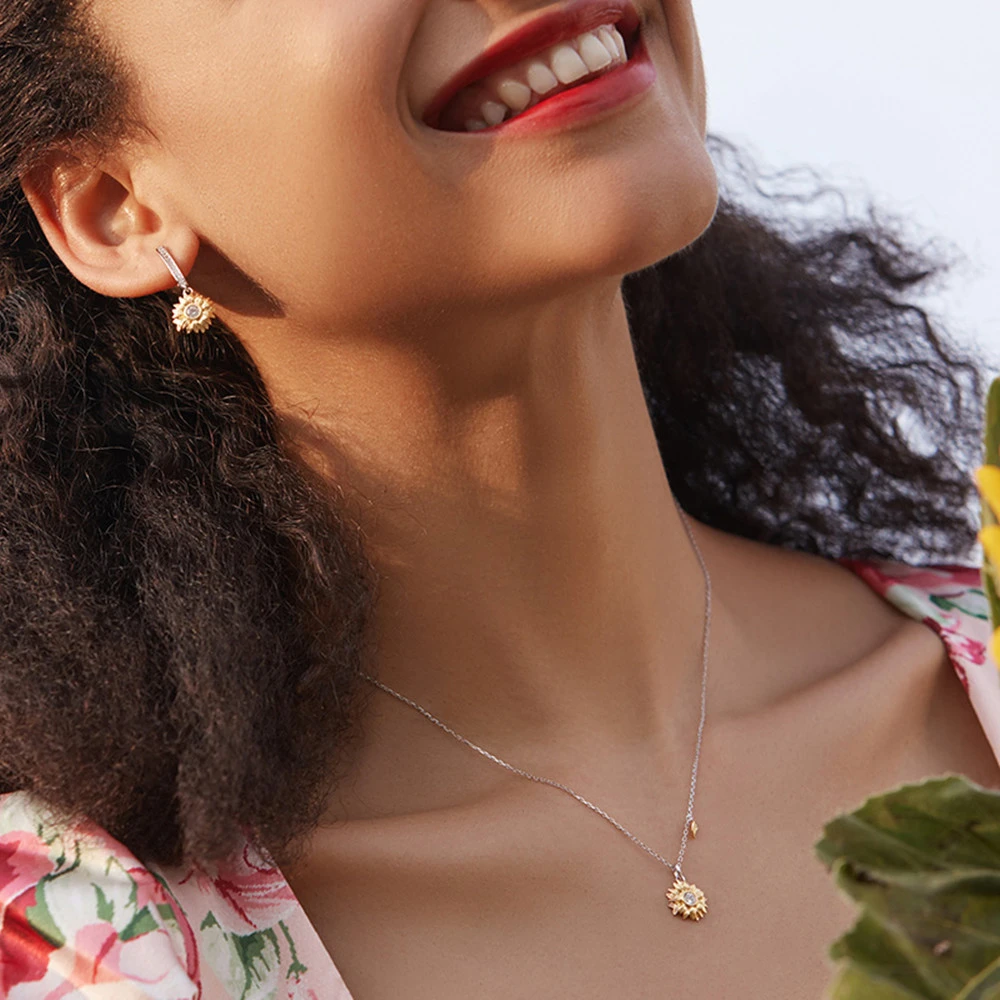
(686, 900)
(193, 313)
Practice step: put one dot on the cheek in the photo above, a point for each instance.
(288, 152)
(324, 205)
(686, 45)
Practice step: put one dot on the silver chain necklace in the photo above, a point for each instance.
(685, 899)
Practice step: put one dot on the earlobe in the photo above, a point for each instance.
(101, 232)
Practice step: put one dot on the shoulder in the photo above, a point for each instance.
(77, 909)
(950, 599)
(804, 619)
(895, 632)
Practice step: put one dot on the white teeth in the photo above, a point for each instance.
(593, 53)
(604, 34)
(515, 94)
(493, 112)
(541, 79)
(567, 64)
(620, 43)
(563, 64)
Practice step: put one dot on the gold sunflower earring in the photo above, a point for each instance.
(193, 313)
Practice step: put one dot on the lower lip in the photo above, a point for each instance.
(580, 103)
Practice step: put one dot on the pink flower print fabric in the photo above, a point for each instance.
(255, 939)
(81, 918)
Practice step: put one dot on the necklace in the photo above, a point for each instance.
(684, 898)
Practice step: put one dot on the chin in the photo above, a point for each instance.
(672, 221)
(644, 219)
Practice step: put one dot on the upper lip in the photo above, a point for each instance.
(548, 29)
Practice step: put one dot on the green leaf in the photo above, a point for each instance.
(854, 983)
(923, 862)
(986, 986)
(991, 434)
(990, 588)
(883, 951)
(991, 448)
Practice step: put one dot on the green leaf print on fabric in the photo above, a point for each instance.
(40, 917)
(259, 954)
(141, 923)
(256, 966)
(973, 605)
(105, 908)
(296, 969)
(82, 916)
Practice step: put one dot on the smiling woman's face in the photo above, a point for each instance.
(290, 136)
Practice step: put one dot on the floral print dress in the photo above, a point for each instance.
(82, 919)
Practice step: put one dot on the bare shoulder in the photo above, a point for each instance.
(831, 646)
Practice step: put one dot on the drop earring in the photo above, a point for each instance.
(193, 313)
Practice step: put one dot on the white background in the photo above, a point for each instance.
(899, 99)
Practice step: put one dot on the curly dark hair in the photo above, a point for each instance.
(183, 609)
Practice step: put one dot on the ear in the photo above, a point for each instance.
(101, 230)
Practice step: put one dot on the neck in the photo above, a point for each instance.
(537, 584)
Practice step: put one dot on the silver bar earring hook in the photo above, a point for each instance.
(172, 267)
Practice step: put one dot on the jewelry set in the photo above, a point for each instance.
(194, 313)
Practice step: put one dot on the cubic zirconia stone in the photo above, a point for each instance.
(690, 899)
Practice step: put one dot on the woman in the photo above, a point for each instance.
(415, 444)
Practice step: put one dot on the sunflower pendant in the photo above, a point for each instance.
(686, 900)
(193, 313)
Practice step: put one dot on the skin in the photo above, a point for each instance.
(438, 318)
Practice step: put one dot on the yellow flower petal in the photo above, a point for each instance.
(990, 539)
(988, 481)
(995, 647)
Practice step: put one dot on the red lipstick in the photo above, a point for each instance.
(569, 21)
(585, 101)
